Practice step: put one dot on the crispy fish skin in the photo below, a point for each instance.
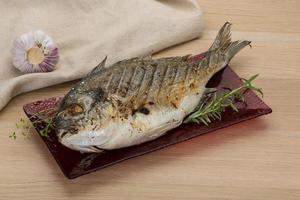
(138, 100)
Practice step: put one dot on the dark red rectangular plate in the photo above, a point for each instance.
(74, 164)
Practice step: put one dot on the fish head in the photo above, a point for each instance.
(78, 117)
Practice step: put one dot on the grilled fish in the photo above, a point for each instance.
(140, 99)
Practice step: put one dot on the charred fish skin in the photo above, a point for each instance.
(137, 100)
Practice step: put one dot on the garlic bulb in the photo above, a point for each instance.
(34, 52)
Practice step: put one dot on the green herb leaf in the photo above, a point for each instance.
(13, 135)
(44, 117)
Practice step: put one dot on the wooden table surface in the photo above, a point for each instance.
(257, 159)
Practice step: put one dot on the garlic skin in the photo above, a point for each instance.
(34, 52)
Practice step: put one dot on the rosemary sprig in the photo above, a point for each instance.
(215, 105)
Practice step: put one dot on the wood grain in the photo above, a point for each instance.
(259, 159)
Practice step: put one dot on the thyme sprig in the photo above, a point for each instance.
(13, 135)
(214, 105)
(25, 126)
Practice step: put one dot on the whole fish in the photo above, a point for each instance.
(140, 99)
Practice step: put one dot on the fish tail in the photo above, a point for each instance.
(235, 47)
(224, 45)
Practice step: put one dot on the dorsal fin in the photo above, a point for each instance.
(148, 57)
(186, 57)
(99, 67)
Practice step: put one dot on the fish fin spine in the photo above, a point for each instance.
(99, 67)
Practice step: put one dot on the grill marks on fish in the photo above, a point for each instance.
(163, 81)
(113, 86)
(132, 84)
(157, 82)
(152, 82)
(124, 84)
(144, 85)
(109, 81)
(178, 89)
(121, 79)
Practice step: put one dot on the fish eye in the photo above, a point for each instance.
(75, 109)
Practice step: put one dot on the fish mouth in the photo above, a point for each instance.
(65, 128)
(63, 136)
(80, 148)
(85, 142)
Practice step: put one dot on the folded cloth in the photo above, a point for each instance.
(87, 31)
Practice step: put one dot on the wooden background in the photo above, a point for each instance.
(258, 159)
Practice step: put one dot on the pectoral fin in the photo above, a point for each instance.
(210, 90)
(207, 94)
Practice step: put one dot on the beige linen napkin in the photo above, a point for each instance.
(88, 30)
